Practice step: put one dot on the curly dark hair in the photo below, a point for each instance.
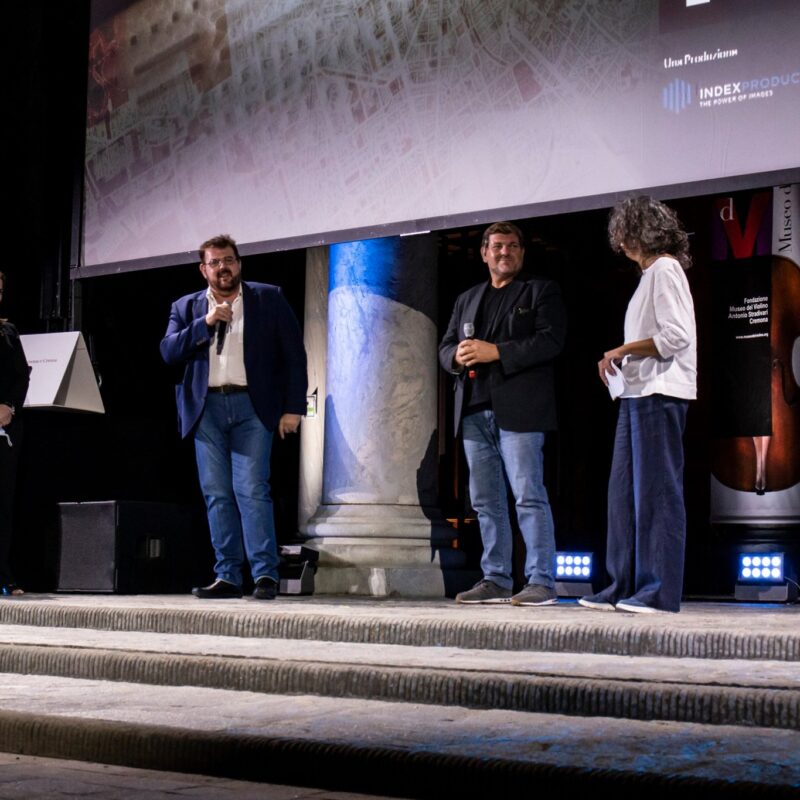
(645, 224)
(222, 241)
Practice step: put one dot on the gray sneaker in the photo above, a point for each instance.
(534, 594)
(484, 592)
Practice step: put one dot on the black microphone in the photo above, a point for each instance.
(469, 333)
(222, 331)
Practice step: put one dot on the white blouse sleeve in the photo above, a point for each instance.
(674, 311)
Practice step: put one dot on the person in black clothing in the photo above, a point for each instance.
(503, 338)
(14, 374)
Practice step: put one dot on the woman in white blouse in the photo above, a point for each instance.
(658, 362)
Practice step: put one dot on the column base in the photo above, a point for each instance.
(377, 567)
(381, 550)
(357, 521)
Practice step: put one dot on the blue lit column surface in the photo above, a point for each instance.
(375, 526)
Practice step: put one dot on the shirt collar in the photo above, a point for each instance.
(211, 299)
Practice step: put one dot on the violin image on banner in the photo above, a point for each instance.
(769, 459)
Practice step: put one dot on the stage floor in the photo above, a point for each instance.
(710, 695)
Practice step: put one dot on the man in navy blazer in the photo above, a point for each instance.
(502, 340)
(244, 377)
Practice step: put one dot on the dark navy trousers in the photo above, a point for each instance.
(646, 512)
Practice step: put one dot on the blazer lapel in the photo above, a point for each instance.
(200, 306)
(250, 316)
(471, 308)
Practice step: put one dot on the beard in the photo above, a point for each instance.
(225, 283)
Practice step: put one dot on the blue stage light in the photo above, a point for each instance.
(573, 566)
(573, 574)
(761, 568)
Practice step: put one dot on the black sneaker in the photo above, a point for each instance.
(266, 589)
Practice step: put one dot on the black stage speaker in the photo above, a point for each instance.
(125, 547)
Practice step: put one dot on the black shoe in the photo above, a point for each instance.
(266, 589)
(219, 590)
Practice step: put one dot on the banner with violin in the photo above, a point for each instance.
(756, 357)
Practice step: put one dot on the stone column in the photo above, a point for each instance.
(315, 336)
(377, 528)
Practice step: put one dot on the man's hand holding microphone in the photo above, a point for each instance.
(472, 351)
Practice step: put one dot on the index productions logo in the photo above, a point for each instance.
(677, 96)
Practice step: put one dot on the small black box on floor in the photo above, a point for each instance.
(769, 593)
(297, 569)
(125, 547)
(573, 588)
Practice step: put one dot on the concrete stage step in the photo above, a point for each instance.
(701, 630)
(736, 692)
(394, 697)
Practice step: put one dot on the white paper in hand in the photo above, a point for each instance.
(616, 383)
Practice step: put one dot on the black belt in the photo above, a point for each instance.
(227, 388)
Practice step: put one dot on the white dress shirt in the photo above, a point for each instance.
(228, 367)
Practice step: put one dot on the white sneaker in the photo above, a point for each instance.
(635, 607)
(595, 605)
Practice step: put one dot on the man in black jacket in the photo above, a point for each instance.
(501, 342)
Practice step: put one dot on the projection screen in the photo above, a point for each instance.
(292, 123)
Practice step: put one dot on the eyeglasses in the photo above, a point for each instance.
(216, 263)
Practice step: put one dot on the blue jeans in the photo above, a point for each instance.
(646, 513)
(233, 449)
(497, 460)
